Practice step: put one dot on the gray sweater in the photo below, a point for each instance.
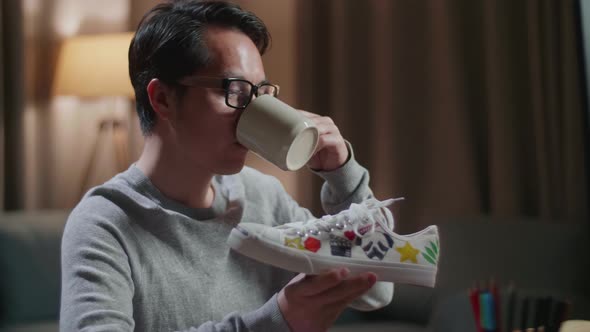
(132, 259)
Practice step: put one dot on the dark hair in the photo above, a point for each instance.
(168, 45)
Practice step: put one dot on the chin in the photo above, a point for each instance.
(231, 166)
(227, 160)
(230, 170)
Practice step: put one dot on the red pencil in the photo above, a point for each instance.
(496, 297)
(474, 299)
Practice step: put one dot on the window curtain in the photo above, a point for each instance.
(585, 26)
(11, 104)
(2, 157)
(465, 108)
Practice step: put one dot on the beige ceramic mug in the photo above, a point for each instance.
(278, 133)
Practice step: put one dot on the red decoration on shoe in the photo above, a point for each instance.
(312, 244)
(349, 235)
(364, 229)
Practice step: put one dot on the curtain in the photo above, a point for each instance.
(11, 104)
(585, 27)
(464, 108)
(1, 110)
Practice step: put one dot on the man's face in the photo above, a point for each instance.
(205, 126)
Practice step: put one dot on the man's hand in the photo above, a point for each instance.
(313, 303)
(331, 152)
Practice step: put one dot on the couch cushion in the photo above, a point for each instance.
(410, 304)
(380, 327)
(30, 265)
(48, 326)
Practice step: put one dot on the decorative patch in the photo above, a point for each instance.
(312, 244)
(364, 229)
(294, 243)
(431, 254)
(340, 246)
(350, 235)
(377, 246)
(408, 252)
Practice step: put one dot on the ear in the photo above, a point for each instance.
(161, 98)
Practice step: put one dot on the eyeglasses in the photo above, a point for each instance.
(238, 92)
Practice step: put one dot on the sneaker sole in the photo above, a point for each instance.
(309, 263)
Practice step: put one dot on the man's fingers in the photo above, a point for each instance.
(317, 284)
(371, 281)
(318, 119)
(297, 278)
(309, 114)
(327, 140)
(327, 128)
(347, 290)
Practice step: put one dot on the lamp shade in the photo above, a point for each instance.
(94, 66)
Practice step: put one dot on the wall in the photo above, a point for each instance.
(60, 132)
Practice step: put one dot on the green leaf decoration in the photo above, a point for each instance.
(434, 247)
(431, 254)
(428, 259)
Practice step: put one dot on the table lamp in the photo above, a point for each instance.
(96, 66)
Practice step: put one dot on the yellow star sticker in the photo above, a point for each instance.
(408, 252)
(294, 243)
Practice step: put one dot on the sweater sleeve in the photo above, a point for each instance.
(98, 285)
(345, 185)
(266, 318)
(342, 187)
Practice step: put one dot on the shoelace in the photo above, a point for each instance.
(358, 216)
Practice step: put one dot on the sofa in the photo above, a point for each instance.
(30, 270)
(540, 257)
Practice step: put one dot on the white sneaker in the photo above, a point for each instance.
(360, 238)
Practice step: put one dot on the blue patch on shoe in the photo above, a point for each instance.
(375, 248)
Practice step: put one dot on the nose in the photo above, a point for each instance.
(252, 99)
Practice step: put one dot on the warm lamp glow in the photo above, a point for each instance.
(94, 66)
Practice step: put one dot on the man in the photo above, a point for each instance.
(146, 251)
